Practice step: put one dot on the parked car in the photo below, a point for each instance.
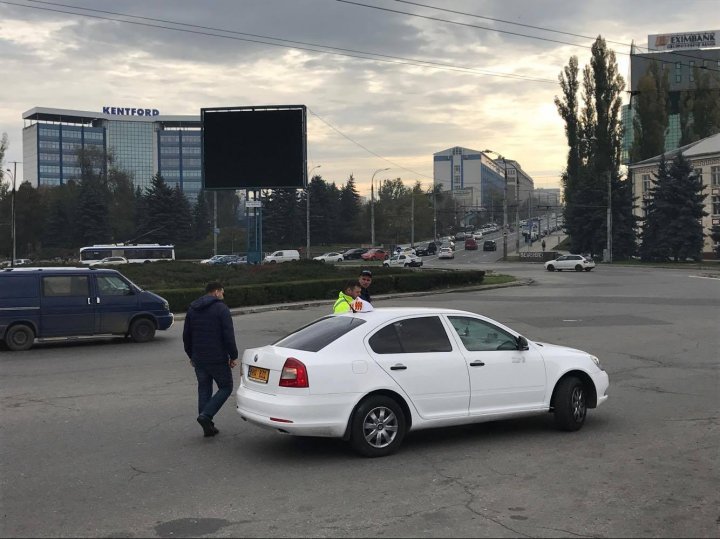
(471, 244)
(446, 252)
(375, 254)
(23, 261)
(329, 257)
(570, 262)
(235, 260)
(405, 250)
(403, 260)
(71, 302)
(287, 255)
(212, 260)
(477, 235)
(307, 384)
(354, 254)
(111, 261)
(490, 245)
(426, 249)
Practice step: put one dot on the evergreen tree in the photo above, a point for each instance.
(674, 212)
(93, 223)
(201, 217)
(283, 219)
(60, 209)
(349, 224)
(182, 228)
(121, 205)
(651, 114)
(158, 218)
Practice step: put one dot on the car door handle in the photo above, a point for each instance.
(518, 360)
(398, 367)
(477, 364)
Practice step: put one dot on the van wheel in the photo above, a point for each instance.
(142, 330)
(19, 338)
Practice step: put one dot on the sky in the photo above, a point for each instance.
(387, 83)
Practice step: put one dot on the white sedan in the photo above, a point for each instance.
(329, 257)
(570, 262)
(403, 260)
(111, 261)
(369, 378)
(446, 252)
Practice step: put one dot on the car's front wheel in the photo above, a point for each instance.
(19, 338)
(142, 330)
(378, 427)
(570, 405)
(578, 268)
(551, 268)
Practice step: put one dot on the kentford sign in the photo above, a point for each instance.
(128, 111)
(687, 40)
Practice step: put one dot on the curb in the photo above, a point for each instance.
(238, 311)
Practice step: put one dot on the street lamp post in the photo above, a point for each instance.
(372, 205)
(307, 213)
(12, 217)
(609, 219)
(505, 217)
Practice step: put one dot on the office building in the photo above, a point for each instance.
(141, 142)
(679, 56)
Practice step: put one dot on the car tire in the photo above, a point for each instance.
(578, 268)
(378, 427)
(142, 330)
(588, 269)
(570, 404)
(551, 268)
(19, 338)
(146, 262)
(339, 260)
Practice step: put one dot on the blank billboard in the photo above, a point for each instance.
(254, 147)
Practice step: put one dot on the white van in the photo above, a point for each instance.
(287, 255)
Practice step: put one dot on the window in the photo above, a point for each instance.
(411, 336)
(317, 335)
(66, 285)
(480, 336)
(716, 205)
(678, 72)
(715, 176)
(112, 285)
(646, 183)
(698, 173)
(18, 287)
(692, 71)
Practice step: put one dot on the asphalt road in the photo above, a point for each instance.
(99, 438)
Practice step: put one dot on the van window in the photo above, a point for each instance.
(66, 285)
(19, 287)
(112, 285)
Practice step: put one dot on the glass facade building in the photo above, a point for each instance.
(142, 146)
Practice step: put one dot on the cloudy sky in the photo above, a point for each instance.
(387, 82)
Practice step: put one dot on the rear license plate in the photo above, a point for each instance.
(258, 374)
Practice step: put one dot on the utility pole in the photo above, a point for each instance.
(215, 228)
(372, 205)
(412, 219)
(609, 218)
(307, 213)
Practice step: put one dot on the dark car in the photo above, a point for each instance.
(426, 249)
(471, 244)
(355, 254)
(490, 245)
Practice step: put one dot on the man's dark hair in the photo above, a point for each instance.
(352, 283)
(365, 272)
(211, 287)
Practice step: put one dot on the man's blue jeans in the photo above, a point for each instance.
(221, 374)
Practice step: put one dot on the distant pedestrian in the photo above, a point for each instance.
(543, 245)
(365, 282)
(209, 340)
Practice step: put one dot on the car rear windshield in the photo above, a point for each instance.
(317, 335)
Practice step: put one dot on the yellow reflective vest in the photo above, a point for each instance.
(342, 305)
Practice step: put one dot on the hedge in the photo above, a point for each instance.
(318, 289)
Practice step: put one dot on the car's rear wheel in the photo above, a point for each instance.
(142, 330)
(19, 338)
(551, 268)
(378, 427)
(578, 268)
(570, 404)
(339, 260)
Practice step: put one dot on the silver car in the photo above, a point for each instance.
(570, 262)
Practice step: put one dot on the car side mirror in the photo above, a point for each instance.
(522, 343)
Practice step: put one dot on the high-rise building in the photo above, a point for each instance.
(141, 142)
(679, 56)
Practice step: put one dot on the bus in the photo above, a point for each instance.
(135, 253)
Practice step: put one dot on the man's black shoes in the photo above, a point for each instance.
(207, 425)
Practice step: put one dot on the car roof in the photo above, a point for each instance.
(384, 314)
(56, 269)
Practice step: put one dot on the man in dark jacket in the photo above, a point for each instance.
(365, 281)
(209, 339)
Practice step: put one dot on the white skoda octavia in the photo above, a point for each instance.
(371, 377)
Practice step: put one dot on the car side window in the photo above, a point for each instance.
(66, 285)
(411, 336)
(111, 285)
(480, 336)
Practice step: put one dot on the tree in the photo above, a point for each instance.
(672, 227)
(651, 114)
(121, 208)
(182, 229)
(350, 224)
(158, 217)
(201, 217)
(700, 109)
(594, 138)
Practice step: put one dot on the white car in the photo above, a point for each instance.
(446, 252)
(111, 261)
(213, 259)
(570, 262)
(329, 257)
(371, 377)
(403, 260)
(405, 251)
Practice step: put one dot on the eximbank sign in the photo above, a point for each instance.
(685, 40)
(127, 111)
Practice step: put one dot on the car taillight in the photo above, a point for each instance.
(294, 374)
